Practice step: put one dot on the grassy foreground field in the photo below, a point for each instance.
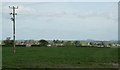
(59, 57)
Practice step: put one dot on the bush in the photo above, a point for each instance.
(9, 43)
(68, 44)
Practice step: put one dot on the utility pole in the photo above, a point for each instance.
(13, 19)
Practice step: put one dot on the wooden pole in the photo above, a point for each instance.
(13, 19)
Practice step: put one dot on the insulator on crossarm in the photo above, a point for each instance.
(12, 19)
(10, 13)
(15, 13)
(9, 6)
(17, 7)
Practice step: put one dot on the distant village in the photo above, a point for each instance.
(63, 43)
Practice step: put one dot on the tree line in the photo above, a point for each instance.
(44, 43)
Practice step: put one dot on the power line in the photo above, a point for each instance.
(13, 19)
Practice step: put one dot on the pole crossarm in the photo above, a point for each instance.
(11, 7)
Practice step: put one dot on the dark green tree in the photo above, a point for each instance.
(8, 42)
(43, 43)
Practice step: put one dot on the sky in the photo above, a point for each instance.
(62, 20)
(59, 0)
(0, 21)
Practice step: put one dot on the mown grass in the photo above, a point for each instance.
(59, 57)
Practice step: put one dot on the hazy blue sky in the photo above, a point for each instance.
(0, 21)
(59, 0)
(65, 20)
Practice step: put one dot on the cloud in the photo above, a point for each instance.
(60, 0)
(26, 10)
(107, 15)
(38, 13)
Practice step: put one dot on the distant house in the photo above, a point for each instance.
(28, 45)
(57, 43)
(49, 45)
(93, 44)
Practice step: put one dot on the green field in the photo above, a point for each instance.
(59, 57)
